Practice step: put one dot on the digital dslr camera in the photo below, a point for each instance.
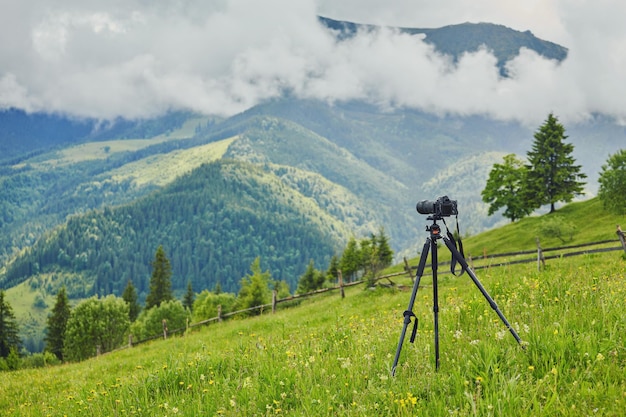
(443, 207)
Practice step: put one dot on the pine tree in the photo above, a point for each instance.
(130, 296)
(254, 290)
(383, 249)
(189, 297)
(350, 260)
(160, 282)
(367, 256)
(57, 324)
(552, 175)
(332, 274)
(311, 280)
(9, 332)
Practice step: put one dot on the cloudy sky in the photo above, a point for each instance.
(140, 58)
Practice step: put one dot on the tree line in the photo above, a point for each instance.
(100, 324)
(550, 175)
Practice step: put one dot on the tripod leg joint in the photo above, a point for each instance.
(407, 316)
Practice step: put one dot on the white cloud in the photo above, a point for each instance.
(136, 59)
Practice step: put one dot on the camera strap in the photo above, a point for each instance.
(459, 247)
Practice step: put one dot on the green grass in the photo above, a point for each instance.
(31, 317)
(332, 356)
(592, 223)
(162, 169)
(103, 149)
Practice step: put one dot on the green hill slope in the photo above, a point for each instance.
(212, 223)
(587, 220)
(41, 191)
(332, 356)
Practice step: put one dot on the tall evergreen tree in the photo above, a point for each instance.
(254, 289)
(57, 324)
(160, 282)
(367, 254)
(130, 296)
(333, 269)
(9, 331)
(350, 260)
(552, 175)
(189, 297)
(505, 188)
(383, 249)
(311, 280)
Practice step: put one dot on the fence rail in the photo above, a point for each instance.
(484, 261)
(565, 251)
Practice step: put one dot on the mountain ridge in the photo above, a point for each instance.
(455, 40)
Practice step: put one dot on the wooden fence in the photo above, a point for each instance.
(484, 261)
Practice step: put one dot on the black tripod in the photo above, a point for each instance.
(431, 244)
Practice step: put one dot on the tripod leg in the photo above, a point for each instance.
(409, 311)
(435, 300)
(457, 255)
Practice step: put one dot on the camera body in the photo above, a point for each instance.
(442, 207)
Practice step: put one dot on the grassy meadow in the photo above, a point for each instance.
(331, 356)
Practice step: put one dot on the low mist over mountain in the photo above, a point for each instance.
(456, 40)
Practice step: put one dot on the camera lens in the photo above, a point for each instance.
(425, 207)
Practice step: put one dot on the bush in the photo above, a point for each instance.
(40, 360)
(556, 226)
(96, 323)
(40, 302)
(150, 321)
(205, 305)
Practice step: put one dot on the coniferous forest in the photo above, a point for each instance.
(198, 220)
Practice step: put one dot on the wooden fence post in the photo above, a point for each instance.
(274, 299)
(219, 313)
(343, 294)
(164, 322)
(130, 340)
(407, 268)
(540, 258)
(622, 239)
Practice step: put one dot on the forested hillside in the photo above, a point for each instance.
(200, 220)
(363, 169)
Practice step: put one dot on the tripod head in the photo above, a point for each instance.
(434, 229)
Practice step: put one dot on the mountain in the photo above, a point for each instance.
(199, 219)
(85, 204)
(455, 40)
(347, 169)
